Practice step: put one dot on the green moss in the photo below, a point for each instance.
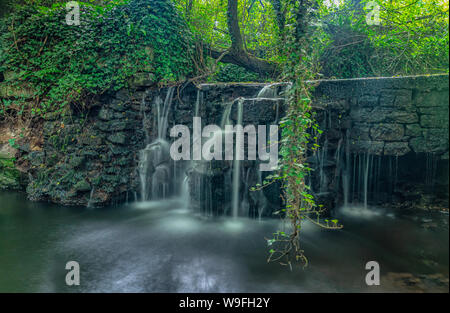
(111, 48)
(9, 175)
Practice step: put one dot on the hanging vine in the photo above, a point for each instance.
(300, 134)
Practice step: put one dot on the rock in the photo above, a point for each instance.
(142, 80)
(403, 117)
(7, 151)
(433, 110)
(365, 146)
(360, 132)
(360, 114)
(119, 105)
(258, 111)
(9, 175)
(413, 130)
(8, 91)
(439, 120)
(431, 99)
(403, 98)
(433, 140)
(105, 114)
(368, 101)
(123, 95)
(52, 116)
(117, 125)
(396, 148)
(76, 161)
(387, 97)
(396, 97)
(36, 158)
(387, 132)
(119, 138)
(82, 186)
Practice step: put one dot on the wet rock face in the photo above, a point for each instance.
(401, 114)
(89, 160)
(382, 130)
(94, 159)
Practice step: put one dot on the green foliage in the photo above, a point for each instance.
(208, 22)
(300, 133)
(9, 175)
(234, 73)
(65, 64)
(412, 38)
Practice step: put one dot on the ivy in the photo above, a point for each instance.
(68, 64)
(300, 134)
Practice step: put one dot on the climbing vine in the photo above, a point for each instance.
(300, 134)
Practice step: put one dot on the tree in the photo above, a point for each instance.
(237, 53)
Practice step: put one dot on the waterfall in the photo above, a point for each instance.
(366, 178)
(322, 163)
(346, 174)
(237, 165)
(91, 196)
(144, 118)
(154, 160)
(268, 91)
(226, 116)
(198, 103)
(185, 197)
(262, 200)
(164, 115)
(430, 169)
(245, 205)
(338, 170)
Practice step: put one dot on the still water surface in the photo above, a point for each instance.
(163, 247)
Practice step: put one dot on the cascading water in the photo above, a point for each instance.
(366, 177)
(187, 188)
(154, 160)
(323, 155)
(346, 173)
(194, 181)
(237, 165)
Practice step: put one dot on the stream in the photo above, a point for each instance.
(161, 246)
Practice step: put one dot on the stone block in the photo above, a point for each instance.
(432, 140)
(434, 121)
(396, 148)
(368, 101)
(413, 130)
(360, 132)
(118, 138)
(387, 132)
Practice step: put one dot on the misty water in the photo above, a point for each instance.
(164, 247)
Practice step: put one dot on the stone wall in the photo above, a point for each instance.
(92, 159)
(390, 116)
(386, 138)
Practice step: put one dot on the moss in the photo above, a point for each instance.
(82, 186)
(9, 175)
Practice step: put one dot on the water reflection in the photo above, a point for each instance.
(162, 247)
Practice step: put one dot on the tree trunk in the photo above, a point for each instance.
(237, 53)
